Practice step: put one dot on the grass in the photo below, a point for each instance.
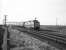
(58, 28)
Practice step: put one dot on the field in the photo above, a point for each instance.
(61, 29)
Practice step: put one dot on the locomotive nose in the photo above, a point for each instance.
(36, 25)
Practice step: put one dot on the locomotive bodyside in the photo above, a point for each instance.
(29, 24)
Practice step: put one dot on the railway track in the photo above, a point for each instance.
(52, 36)
(48, 34)
(55, 36)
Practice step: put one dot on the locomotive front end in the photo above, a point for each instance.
(36, 25)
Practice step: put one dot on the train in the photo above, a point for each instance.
(35, 24)
(32, 24)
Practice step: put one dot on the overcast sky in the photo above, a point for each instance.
(46, 11)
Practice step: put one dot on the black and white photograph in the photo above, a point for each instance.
(32, 24)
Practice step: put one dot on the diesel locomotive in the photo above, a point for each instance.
(35, 24)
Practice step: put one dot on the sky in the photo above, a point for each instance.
(48, 12)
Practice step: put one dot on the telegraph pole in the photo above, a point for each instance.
(5, 20)
(4, 45)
